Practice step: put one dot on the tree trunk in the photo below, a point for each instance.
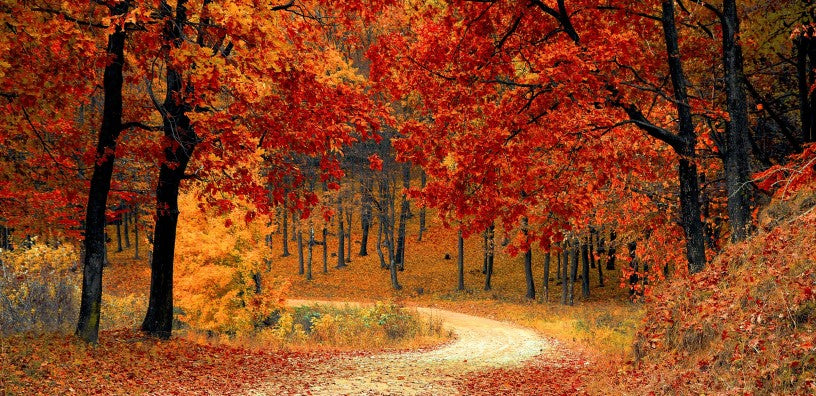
(299, 238)
(610, 260)
(383, 263)
(491, 251)
(341, 235)
(545, 286)
(804, 67)
(285, 229)
(461, 262)
(119, 236)
(311, 247)
(127, 221)
(348, 235)
(585, 270)
(404, 207)
(689, 187)
(528, 262)
(365, 214)
(484, 246)
(633, 267)
(423, 179)
(565, 273)
(178, 129)
(573, 274)
(94, 243)
(136, 233)
(325, 250)
(736, 168)
(387, 216)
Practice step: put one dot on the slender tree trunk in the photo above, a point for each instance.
(293, 234)
(94, 243)
(311, 247)
(585, 270)
(491, 250)
(461, 262)
(299, 238)
(565, 273)
(383, 263)
(387, 216)
(348, 235)
(325, 250)
(484, 245)
(633, 266)
(610, 260)
(573, 274)
(119, 236)
(341, 235)
(528, 262)
(404, 207)
(285, 229)
(365, 214)
(545, 286)
(126, 230)
(423, 179)
(136, 233)
(737, 168)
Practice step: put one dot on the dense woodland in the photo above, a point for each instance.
(654, 154)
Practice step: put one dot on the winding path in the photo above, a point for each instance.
(480, 343)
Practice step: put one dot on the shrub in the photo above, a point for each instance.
(38, 290)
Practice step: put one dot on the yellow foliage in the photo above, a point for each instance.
(222, 282)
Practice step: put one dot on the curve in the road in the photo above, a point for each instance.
(480, 343)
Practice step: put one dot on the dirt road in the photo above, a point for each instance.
(480, 344)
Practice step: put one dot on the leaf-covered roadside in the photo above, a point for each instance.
(562, 373)
(127, 362)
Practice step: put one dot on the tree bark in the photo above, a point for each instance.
(325, 250)
(348, 235)
(491, 250)
(565, 273)
(573, 275)
(177, 128)
(94, 243)
(136, 210)
(545, 286)
(737, 168)
(404, 207)
(299, 238)
(119, 236)
(461, 262)
(585, 270)
(341, 235)
(365, 214)
(423, 180)
(285, 234)
(309, 256)
(528, 262)
(126, 226)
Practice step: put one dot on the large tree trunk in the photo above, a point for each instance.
(177, 128)
(805, 58)
(737, 168)
(94, 243)
(610, 259)
(689, 187)
(573, 273)
(460, 262)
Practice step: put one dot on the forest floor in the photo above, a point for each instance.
(464, 365)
